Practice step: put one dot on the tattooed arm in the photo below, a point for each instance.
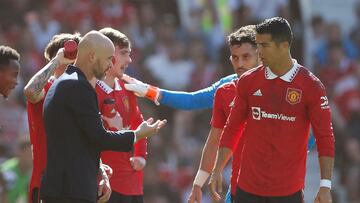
(34, 89)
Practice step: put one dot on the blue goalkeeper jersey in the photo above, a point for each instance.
(201, 99)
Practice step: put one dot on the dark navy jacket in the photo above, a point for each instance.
(75, 138)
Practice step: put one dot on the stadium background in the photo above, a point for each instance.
(181, 45)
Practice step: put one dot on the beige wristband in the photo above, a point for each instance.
(201, 178)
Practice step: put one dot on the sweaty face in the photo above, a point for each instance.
(243, 57)
(269, 52)
(8, 77)
(122, 60)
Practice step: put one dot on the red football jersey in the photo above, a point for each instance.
(278, 112)
(223, 102)
(125, 179)
(37, 138)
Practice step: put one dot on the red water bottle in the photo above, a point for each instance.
(70, 51)
(108, 108)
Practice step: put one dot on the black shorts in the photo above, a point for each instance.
(63, 200)
(120, 198)
(245, 197)
(35, 195)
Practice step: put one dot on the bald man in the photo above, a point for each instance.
(75, 134)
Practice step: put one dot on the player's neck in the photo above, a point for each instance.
(110, 80)
(283, 66)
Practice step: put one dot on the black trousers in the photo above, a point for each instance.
(64, 200)
(120, 198)
(245, 197)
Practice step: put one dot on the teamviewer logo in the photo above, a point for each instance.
(256, 113)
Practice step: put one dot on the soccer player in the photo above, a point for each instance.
(9, 69)
(127, 179)
(243, 57)
(278, 101)
(35, 92)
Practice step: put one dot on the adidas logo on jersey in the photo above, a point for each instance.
(258, 93)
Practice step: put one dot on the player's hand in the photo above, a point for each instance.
(215, 184)
(142, 89)
(104, 189)
(148, 128)
(323, 196)
(61, 57)
(137, 162)
(107, 169)
(114, 123)
(195, 195)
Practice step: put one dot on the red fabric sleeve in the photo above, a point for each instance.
(238, 114)
(140, 148)
(320, 118)
(218, 119)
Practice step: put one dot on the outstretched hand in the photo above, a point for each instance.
(148, 128)
(141, 89)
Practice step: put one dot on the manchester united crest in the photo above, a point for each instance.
(293, 96)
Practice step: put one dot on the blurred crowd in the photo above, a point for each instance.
(178, 45)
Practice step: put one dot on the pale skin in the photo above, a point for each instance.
(243, 57)
(277, 57)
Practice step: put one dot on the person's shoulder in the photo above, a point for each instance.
(229, 85)
(228, 78)
(252, 73)
(307, 77)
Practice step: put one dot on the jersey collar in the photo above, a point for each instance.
(107, 89)
(288, 77)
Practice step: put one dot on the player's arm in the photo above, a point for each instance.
(216, 179)
(34, 89)
(138, 161)
(206, 164)
(209, 154)
(320, 118)
(229, 138)
(200, 99)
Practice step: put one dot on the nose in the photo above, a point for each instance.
(130, 60)
(240, 63)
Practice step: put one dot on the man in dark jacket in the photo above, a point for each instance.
(75, 134)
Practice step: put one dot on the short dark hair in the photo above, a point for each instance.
(57, 42)
(7, 54)
(118, 38)
(279, 29)
(245, 34)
